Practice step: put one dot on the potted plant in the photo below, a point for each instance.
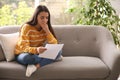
(96, 12)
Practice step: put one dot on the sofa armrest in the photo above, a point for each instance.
(110, 55)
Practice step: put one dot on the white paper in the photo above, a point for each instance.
(52, 51)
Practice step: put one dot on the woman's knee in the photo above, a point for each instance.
(24, 58)
(21, 58)
(31, 59)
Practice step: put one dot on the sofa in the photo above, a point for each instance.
(89, 53)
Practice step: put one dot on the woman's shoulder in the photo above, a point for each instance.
(27, 27)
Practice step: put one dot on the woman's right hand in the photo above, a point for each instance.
(45, 28)
(41, 49)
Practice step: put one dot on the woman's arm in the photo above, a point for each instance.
(24, 40)
(50, 38)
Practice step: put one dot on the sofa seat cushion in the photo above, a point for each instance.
(69, 68)
(11, 70)
(75, 67)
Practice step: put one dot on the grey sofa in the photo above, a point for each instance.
(89, 54)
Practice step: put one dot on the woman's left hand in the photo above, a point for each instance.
(41, 49)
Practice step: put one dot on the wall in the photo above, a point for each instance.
(116, 5)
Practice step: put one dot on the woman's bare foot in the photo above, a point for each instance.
(37, 65)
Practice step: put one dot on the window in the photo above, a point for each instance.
(17, 12)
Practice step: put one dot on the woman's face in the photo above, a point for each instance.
(42, 18)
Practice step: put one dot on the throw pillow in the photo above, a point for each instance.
(8, 42)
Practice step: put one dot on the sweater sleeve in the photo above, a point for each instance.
(51, 39)
(24, 42)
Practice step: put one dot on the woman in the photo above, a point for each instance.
(33, 35)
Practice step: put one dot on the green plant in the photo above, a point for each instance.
(22, 13)
(15, 16)
(5, 15)
(97, 12)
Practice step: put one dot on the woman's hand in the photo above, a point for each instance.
(45, 28)
(41, 49)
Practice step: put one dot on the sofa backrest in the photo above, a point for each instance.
(9, 29)
(82, 40)
(78, 40)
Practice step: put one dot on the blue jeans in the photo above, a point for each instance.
(27, 58)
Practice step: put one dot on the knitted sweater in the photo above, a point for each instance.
(30, 38)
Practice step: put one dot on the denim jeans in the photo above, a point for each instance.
(27, 58)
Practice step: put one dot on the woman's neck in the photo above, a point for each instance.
(38, 27)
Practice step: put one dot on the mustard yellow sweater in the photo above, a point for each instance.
(30, 38)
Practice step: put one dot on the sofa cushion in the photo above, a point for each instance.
(75, 67)
(7, 30)
(8, 42)
(69, 68)
(11, 70)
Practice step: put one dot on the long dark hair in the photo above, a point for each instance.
(33, 21)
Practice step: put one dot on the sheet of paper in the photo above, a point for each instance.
(52, 51)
